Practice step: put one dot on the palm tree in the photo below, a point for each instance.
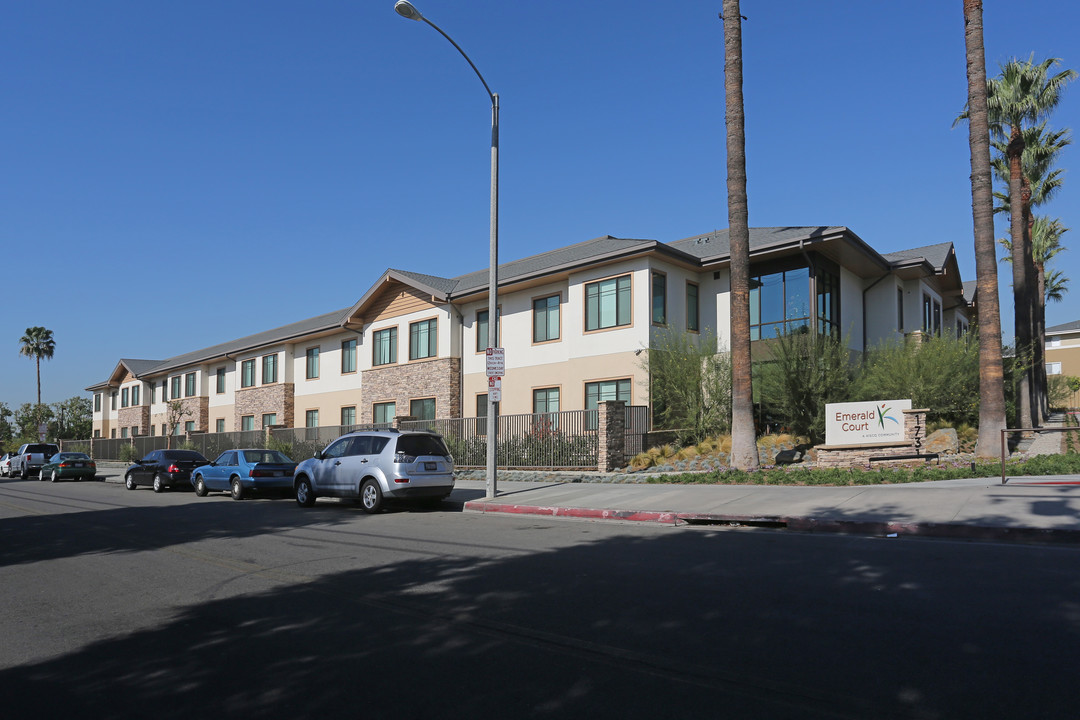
(37, 343)
(1024, 93)
(1039, 182)
(744, 453)
(991, 372)
(1057, 284)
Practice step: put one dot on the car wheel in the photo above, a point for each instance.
(129, 482)
(200, 486)
(305, 495)
(55, 477)
(237, 489)
(41, 476)
(159, 484)
(23, 474)
(370, 496)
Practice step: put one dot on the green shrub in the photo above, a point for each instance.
(127, 453)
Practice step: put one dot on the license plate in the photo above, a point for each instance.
(430, 466)
(79, 465)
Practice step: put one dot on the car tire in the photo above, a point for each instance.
(305, 494)
(54, 477)
(129, 482)
(23, 474)
(200, 486)
(159, 484)
(236, 489)
(371, 498)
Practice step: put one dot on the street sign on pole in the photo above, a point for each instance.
(495, 389)
(496, 362)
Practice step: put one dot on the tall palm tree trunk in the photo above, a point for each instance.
(1021, 297)
(991, 374)
(744, 453)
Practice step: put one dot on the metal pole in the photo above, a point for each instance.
(493, 300)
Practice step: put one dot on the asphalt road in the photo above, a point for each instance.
(131, 604)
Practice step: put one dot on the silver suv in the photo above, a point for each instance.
(378, 465)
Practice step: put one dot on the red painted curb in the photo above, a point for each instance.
(798, 524)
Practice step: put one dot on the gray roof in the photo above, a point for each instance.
(970, 286)
(1065, 327)
(718, 243)
(138, 367)
(937, 255)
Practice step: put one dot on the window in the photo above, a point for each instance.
(598, 392)
(348, 415)
(900, 309)
(607, 303)
(1053, 368)
(112, 433)
(220, 380)
(123, 432)
(247, 422)
(828, 303)
(422, 409)
(780, 301)
(961, 328)
(112, 401)
(269, 369)
(153, 430)
(175, 387)
(384, 350)
(135, 395)
(383, 412)
(247, 373)
(123, 397)
(311, 418)
(348, 358)
(481, 405)
(659, 298)
(219, 425)
(482, 329)
(269, 419)
(164, 429)
(546, 400)
(97, 402)
(693, 307)
(189, 426)
(1053, 342)
(931, 322)
(423, 339)
(546, 322)
(164, 391)
(312, 356)
(97, 433)
(189, 384)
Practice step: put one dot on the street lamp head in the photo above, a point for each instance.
(405, 9)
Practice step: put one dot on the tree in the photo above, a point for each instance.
(175, 412)
(1023, 94)
(6, 429)
(689, 385)
(991, 367)
(1056, 285)
(74, 419)
(744, 454)
(37, 343)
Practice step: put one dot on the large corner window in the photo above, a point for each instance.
(780, 301)
(607, 303)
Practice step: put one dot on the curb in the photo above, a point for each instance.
(794, 523)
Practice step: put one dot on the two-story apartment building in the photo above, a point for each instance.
(1063, 349)
(574, 323)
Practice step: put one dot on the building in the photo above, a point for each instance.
(574, 323)
(1063, 349)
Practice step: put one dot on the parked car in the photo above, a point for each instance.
(164, 469)
(243, 471)
(5, 465)
(31, 457)
(378, 465)
(69, 465)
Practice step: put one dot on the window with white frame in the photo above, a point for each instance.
(1053, 368)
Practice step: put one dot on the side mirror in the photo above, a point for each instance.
(317, 455)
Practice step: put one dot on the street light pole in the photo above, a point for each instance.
(405, 9)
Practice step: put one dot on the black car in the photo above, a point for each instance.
(164, 469)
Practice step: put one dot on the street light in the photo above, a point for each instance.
(405, 9)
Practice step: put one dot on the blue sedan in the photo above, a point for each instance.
(240, 472)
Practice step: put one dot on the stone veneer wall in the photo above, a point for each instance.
(851, 455)
(440, 379)
(257, 401)
(612, 441)
(136, 417)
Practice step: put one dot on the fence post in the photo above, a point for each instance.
(611, 425)
(396, 424)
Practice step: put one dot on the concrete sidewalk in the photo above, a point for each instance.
(1027, 509)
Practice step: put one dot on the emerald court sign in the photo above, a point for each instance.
(865, 423)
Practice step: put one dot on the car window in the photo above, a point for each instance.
(266, 456)
(226, 458)
(152, 457)
(338, 448)
(377, 444)
(418, 445)
(361, 445)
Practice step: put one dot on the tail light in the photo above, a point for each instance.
(400, 457)
(174, 468)
(401, 481)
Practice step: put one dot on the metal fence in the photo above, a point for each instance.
(566, 439)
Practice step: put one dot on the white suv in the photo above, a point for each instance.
(374, 465)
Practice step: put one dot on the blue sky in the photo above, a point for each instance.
(180, 174)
